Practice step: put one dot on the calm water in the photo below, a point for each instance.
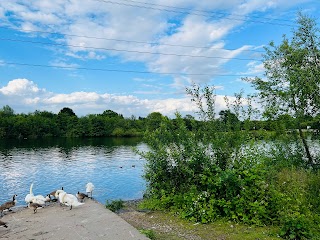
(109, 163)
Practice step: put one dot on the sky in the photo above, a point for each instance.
(135, 57)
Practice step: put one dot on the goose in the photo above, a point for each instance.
(1, 210)
(3, 224)
(8, 205)
(53, 193)
(89, 188)
(81, 196)
(47, 199)
(69, 200)
(34, 206)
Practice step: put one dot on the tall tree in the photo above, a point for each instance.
(67, 111)
(229, 119)
(292, 82)
(7, 111)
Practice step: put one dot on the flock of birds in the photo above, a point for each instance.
(39, 201)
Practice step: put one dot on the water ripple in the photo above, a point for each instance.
(116, 171)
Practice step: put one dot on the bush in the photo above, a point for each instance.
(210, 174)
(149, 233)
(295, 226)
(115, 205)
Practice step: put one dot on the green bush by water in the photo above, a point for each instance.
(256, 185)
(115, 205)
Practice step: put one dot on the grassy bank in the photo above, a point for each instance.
(165, 225)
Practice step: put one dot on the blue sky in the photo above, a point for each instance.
(134, 57)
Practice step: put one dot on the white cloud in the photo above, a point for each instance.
(63, 64)
(29, 97)
(72, 98)
(20, 87)
(118, 21)
(102, 20)
(255, 68)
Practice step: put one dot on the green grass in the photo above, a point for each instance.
(163, 225)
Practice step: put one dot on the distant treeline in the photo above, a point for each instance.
(41, 124)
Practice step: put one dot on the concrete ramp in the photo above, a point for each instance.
(87, 222)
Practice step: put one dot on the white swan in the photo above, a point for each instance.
(56, 194)
(35, 199)
(69, 200)
(30, 195)
(39, 199)
(89, 188)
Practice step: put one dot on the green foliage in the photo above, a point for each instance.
(220, 171)
(115, 205)
(296, 203)
(6, 111)
(293, 78)
(296, 226)
(149, 233)
(42, 124)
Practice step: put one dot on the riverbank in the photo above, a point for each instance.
(161, 225)
(89, 221)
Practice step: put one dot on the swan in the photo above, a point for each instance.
(30, 195)
(56, 195)
(89, 188)
(69, 200)
(39, 199)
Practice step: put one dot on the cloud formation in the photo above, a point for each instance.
(184, 23)
(29, 97)
(181, 38)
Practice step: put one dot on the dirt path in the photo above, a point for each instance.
(89, 221)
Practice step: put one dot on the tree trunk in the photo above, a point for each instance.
(306, 147)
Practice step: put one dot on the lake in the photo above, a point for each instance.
(109, 163)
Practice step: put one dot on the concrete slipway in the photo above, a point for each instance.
(86, 222)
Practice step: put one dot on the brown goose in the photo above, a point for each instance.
(34, 206)
(10, 204)
(54, 195)
(3, 224)
(81, 196)
(1, 210)
(47, 199)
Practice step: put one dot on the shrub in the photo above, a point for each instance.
(149, 233)
(210, 174)
(115, 205)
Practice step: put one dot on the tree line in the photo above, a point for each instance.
(41, 124)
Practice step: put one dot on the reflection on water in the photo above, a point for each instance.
(110, 164)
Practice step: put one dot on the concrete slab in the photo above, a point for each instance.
(87, 222)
